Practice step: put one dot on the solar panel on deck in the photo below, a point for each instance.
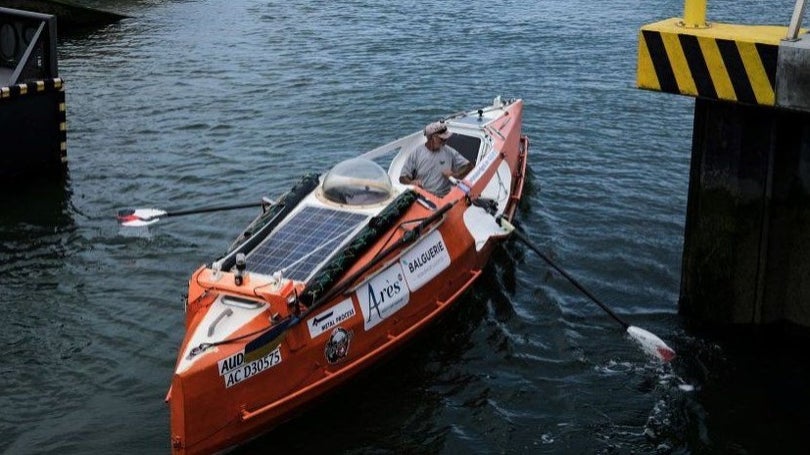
(303, 242)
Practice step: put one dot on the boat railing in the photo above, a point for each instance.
(27, 47)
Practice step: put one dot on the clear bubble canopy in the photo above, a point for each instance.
(357, 181)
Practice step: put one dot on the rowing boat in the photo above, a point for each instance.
(337, 273)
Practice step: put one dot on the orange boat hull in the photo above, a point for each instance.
(227, 396)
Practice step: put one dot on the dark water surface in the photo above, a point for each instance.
(199, 103)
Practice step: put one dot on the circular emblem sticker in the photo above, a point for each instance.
(338, 345)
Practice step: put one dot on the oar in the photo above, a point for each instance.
(650, 343)
(145, 217)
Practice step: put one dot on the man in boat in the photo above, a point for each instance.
(430, 164)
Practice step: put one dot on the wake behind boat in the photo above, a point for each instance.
(337, 273)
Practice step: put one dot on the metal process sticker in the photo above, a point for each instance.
(332, 317)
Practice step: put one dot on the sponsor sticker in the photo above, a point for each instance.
(482, 166)
(338, 345)
(327, 319)
(425, 260)
(234, 370)
(382, 296)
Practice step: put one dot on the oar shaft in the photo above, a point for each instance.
(221, 208)
(410, 236)
(522, 237)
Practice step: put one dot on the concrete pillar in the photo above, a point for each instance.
(33, 127)
(746, 256)
(33, 131)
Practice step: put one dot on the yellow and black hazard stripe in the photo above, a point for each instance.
(61, 117)
(708, 67)
(29, 88)
(41, 86)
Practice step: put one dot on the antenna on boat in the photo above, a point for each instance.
(241, 264)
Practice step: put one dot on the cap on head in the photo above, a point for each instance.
(439, 128)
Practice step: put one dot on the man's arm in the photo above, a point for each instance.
(461, 164)
(407, 180)
(407, 176)
(466, 168)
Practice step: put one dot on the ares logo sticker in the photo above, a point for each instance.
(338, 345)
(382, 296)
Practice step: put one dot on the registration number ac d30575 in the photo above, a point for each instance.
(243, 372)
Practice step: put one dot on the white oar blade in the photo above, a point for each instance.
(148, 213)
(651, 344)
(138, 223)
(139, 217)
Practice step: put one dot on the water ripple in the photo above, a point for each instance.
(200, 103)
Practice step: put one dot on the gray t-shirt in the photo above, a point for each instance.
(427, 166)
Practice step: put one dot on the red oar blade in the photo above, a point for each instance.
(139, 217)
(651, 344)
